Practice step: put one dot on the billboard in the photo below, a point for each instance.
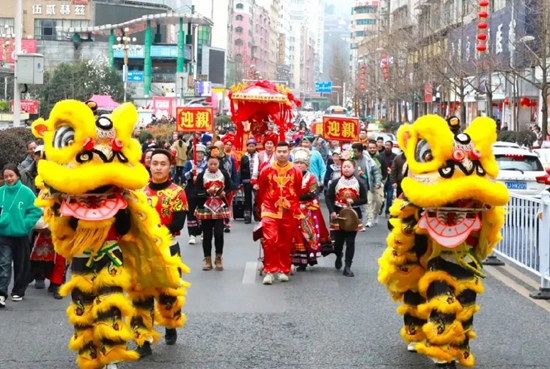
(213, 65)
(27, 47)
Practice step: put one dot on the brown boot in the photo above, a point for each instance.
(218, 262)
(207, 263)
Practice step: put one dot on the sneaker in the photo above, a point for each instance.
(171, 336)
(369, 224)
(411, 347)
(268, 279)
(16, 298)
(283, 277)
(144, 350)
(376, 219)
(2, 301)
(192, 240)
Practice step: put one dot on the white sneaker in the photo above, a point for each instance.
(369, 224)
(268, 279)
(192, 240)
(16, 298)
(283, 277)
(110, 366)
(2, 301)
(411, 347)
(376, 219)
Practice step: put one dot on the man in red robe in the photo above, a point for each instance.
(280, 184)
(269, 142)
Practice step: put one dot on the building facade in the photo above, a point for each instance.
(243, 38)
(365, 16)
(283, 42)
(261, 43)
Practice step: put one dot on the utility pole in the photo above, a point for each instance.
(16, 90)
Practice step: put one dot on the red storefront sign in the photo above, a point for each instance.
(29, 106)
(194, 119)
(27, 47)
(340, 128)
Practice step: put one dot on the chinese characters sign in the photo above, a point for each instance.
(163, 106)
(28, 106)
(340, 128)
(67, 8)
(194, 119)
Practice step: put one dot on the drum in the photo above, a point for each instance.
(348, 220)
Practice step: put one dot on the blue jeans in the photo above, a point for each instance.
(388, 195)
(15, 250)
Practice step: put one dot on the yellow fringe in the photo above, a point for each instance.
(147, 333)
(475, 284)
(106, 330)
(91, 235)
(113, 277)
(87, 363)
(444, 304)
(411, 310)
(81, 338)
(438, 353)
(418, 336)
(117, 300)
(453, 333)
(465, 358)
(118, 353)
(171, 316)
(433, 276)
(81, 282)
(467, 312)
(87, 317)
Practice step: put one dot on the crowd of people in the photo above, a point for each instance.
(282, 184)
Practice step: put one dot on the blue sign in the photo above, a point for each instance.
(157, 51)
(135, 76)
(323, 87)
(203, 88)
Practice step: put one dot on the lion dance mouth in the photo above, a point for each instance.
(451, 225)
(93, 206)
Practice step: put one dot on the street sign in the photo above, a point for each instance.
(135, 76)
(323, 87)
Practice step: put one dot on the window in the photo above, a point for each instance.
(238, 58)
(239, 17)
(204, 34)
(366, 10)
(520, 163)
(360, 33)
(56, 29)
(365, 22)
(239, 30)
(9, 22)
(239, 6)
(238, 42)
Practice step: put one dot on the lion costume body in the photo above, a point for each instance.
(101, 222)
(448, 221)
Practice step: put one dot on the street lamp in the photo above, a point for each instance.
(126, 43)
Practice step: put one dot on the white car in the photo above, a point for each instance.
(521, 171)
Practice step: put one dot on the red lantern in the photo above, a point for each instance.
(483, 14)
(524, 102)
(482, 25)
(481, 48)
(483, 3)
(506, 101)
(482, 37)
(534, 104)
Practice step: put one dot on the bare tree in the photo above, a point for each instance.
(338, 71)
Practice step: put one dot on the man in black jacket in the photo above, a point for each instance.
(249, 171)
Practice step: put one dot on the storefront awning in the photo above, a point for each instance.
(162, 19)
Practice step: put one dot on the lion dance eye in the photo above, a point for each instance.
(423, 153)
(63, 137)
(428, 157)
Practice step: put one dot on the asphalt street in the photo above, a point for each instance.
(319, 320)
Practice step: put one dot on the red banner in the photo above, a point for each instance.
(29, 106)
(340, 128)
(27, 47)
(194, 119)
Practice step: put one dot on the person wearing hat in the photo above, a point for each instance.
(312, 237)
(269, 142)
(191, 170)
(248, 174)
(317, 165)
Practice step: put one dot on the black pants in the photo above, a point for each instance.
(247, 189)
(193, 225)
(15, 250)
(341, 237)
(178, 175)
(212, 227)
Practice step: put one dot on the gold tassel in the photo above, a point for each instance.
(90, 236)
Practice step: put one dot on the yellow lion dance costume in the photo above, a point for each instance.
(448, 221)
(100, 221)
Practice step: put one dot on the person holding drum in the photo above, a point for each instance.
(344, 198)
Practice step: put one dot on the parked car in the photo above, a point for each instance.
(544, 155)
(521, 171)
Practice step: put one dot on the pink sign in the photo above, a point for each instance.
(164, 106)
(27, 47)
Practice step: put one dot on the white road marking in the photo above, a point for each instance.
(250, 272)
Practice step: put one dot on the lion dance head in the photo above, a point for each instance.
(451, 176)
